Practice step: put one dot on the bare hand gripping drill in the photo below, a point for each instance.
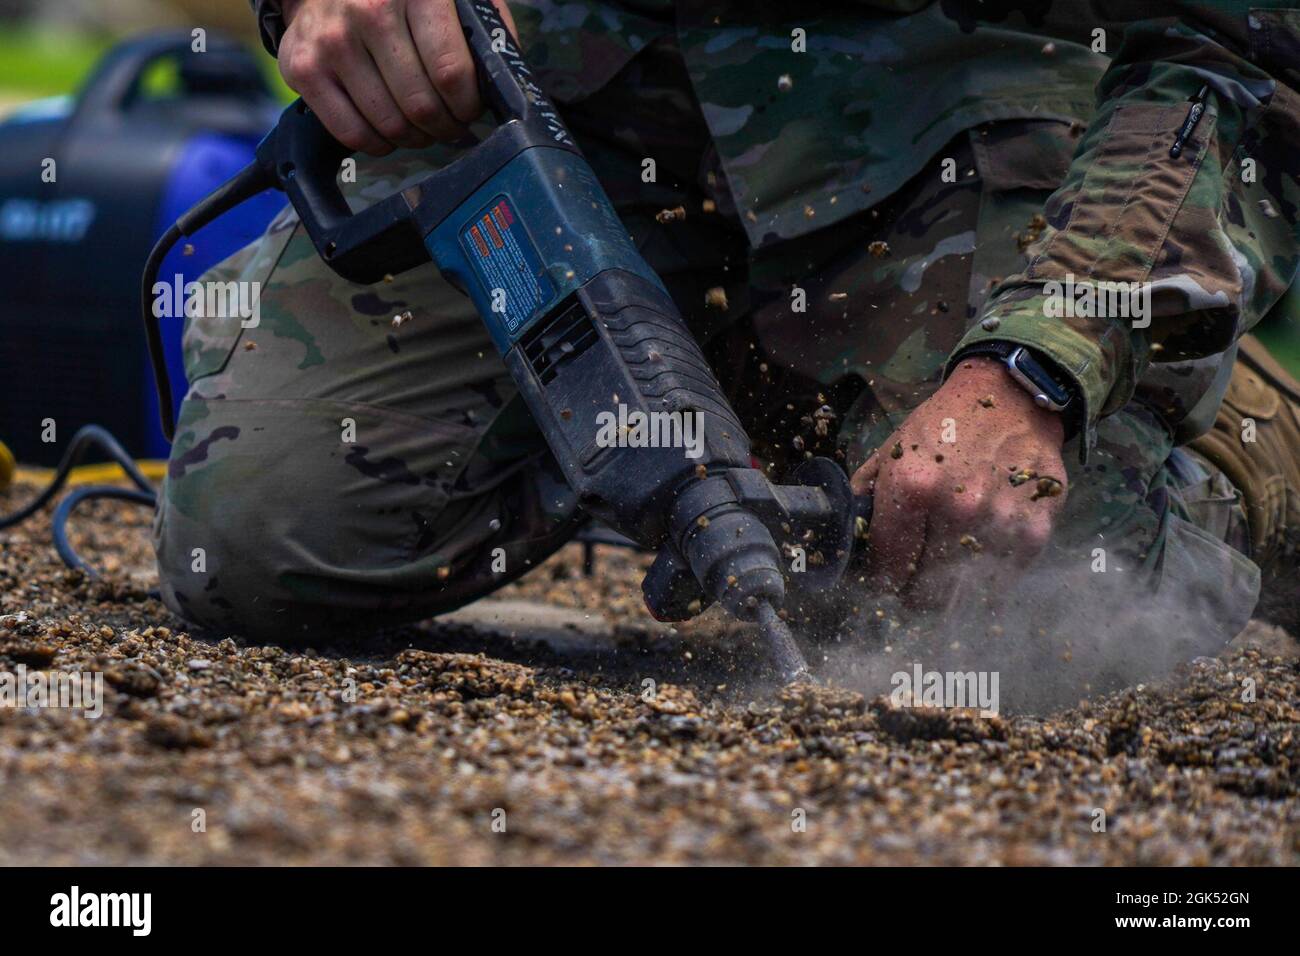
(520, 224)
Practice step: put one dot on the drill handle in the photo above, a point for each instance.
(505, 82)
(302, 159)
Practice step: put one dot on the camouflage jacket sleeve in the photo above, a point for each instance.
(270, 23)
(1206, 239)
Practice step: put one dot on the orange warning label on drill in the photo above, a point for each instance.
(501, 252)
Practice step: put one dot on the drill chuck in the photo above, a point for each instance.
(732, 555)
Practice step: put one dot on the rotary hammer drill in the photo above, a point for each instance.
(520, 224)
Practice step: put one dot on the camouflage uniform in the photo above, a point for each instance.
(820, 170)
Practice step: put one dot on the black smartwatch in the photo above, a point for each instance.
(1050, 387)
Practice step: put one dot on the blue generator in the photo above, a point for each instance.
(87, 185)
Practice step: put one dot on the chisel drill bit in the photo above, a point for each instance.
(789, 660)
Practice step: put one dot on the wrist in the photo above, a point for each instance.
(984, 377)
(1037, 375)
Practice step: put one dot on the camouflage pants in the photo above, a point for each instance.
(336, 470)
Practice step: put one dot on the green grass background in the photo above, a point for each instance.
(36, 63)
(45, 63)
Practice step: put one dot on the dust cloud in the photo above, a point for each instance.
(1054, 632)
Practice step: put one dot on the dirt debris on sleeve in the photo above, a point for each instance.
(437, 745)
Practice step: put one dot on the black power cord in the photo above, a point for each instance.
(245, 184)
(75, 497)
(88, 438)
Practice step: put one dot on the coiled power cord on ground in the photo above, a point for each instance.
(91, 437)
(243, 185)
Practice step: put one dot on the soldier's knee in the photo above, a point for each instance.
(215, 569)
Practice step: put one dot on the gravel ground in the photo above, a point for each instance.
(464, 742)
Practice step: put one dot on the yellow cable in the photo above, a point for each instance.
(7, 466)
(106, 473)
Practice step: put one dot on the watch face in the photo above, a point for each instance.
(1028, 366)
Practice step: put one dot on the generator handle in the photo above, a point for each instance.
(113, 83)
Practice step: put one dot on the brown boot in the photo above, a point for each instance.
(1263, 403)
